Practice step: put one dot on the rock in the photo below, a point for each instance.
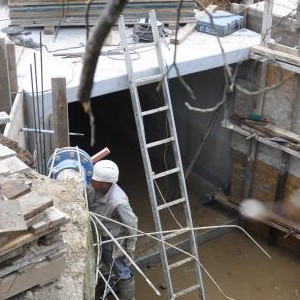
(29, 295)
(59, 286)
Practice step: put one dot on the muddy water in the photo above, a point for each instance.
(242, 271)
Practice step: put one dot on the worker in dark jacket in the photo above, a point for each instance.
(107, 199)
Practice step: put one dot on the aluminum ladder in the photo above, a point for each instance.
(151, 176)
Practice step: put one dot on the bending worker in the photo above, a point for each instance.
(106, 198)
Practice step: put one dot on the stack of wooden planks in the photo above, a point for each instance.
(31, 244)
(36, 13)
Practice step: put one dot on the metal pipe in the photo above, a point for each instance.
(47, 131)
(38, 115)
(34, 117)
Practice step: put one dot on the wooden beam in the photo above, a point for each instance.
(5, 98)
(183, 33)
(267, 22)
(60, 112)
(283, 65)
(277, 55)
(12, 69)
(272, 219)
(249, 132)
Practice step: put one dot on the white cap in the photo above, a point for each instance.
(106, 171)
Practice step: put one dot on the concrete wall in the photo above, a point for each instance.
(115, 121)
(281, 107)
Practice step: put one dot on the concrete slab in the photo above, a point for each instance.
(197, 53)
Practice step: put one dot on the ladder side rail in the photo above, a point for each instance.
(145, 154)
(172, 128)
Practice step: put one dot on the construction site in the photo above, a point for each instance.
(192, 106)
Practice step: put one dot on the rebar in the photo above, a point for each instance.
(43, 104)
(34, 118)
(125, 254)
(38, 116)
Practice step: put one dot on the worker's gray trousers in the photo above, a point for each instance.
(118, 265)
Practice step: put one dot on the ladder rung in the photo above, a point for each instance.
(155, 110)
(181, 262)
(173, 234)
(141, 46)
(153, 144)
(147, 80)
(171, 203)
(162, 174)
(185, 291)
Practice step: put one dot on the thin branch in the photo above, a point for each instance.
(94, 44)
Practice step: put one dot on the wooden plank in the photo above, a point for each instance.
(283, 48)
(271, 218)
(33, 204)
(60, 112)
(277, 55)
(52, 217)
(38, 274)
(249, 132)
(12, 69)
(5, 98)
(49, 30)
(34, 219)
(14, 188)
(11, 217)
(183, 33)
(6, 152)
(283, 65)
(21, 240)
(32, 257)
(11, 165)
(11, 254)
(13, 129)
(286, 134)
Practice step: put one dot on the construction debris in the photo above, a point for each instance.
(32, 248)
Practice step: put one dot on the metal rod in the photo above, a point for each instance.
(34, 117)
(38, 114)
(52, 163)
(43, 106)
(125, 254)
(47, 131)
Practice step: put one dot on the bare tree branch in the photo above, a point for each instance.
(93, 48)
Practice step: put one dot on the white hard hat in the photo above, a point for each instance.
(106, 171)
